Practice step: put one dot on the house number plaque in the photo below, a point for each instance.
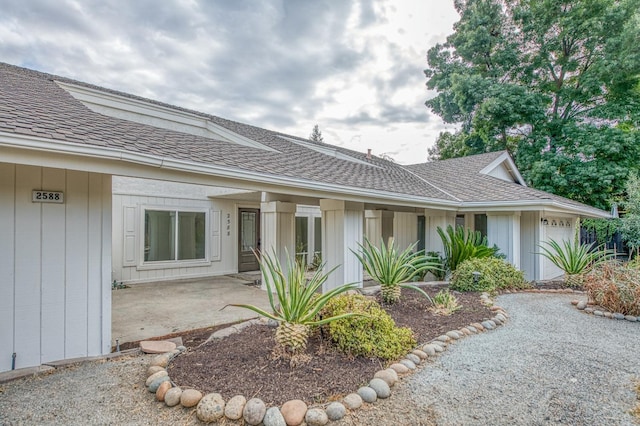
(47, 196)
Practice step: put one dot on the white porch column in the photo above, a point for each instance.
(435, 219)
(503, 230)
(342, 229)
(470, 221)
(278, 230)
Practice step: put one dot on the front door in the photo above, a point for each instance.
(248, 239)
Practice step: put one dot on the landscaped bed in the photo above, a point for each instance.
(243, 363)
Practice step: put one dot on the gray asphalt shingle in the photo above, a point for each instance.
(32, 104)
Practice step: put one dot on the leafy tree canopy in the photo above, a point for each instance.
(630, 228)
(554, 82)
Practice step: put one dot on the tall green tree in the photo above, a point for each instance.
(555, 82)
(316, 134)
(630, 223)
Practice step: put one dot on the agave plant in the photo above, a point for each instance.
(460, 245)
(392, 268)
(297, 302)
(573, 258)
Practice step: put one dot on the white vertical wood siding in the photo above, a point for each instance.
(7, 269)
(55, 264)
(529, 237)
(435, 220)
(504, 231)
(373, 226)
(354, 224)
(128, 237)
(342, 230)
(405, 229)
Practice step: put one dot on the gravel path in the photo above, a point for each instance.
(549, 365)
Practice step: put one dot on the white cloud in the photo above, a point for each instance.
(354, 68)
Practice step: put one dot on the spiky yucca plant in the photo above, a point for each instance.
(297, 302)
(574, 258)
(460, 245)
(393, 268)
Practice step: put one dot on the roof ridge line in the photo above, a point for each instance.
(429, 183)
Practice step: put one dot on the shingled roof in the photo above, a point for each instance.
(467, 183)
(33, 104)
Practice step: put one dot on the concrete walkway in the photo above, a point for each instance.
(156, 309)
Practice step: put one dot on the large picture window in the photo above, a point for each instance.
(171, 235)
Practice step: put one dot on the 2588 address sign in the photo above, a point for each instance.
(38, 196)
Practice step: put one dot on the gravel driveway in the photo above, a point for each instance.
(550, 364)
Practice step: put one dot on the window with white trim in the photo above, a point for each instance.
(175, 235)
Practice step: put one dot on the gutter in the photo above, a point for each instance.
(513, 205)
(49, 145)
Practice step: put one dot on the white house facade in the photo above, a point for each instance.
(97, 185)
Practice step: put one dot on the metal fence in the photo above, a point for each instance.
(613, 241)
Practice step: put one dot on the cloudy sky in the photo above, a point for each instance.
(352, 67)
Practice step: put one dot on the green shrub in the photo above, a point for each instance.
(372, 334)
(635, 263)
(615, 287)
(494, 274)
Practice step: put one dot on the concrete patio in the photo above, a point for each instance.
(149, 310)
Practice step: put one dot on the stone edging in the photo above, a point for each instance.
(212, 407)
(581, 305)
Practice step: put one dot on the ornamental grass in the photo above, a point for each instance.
(615, 287)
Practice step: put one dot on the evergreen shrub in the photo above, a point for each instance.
(494, 274)
(373, 333)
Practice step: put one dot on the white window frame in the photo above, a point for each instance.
(169, 264)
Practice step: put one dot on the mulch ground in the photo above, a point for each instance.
(243, 363)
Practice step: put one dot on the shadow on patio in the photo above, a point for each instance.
(143, 311)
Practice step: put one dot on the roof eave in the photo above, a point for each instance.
(538, 205)
(61, 147)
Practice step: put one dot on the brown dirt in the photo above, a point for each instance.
(243, 363)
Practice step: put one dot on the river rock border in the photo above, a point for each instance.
(583, 306)
(212, 407)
